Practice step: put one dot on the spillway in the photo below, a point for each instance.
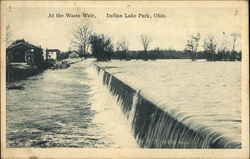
(155, 127)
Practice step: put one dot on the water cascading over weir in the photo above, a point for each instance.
(155, 128)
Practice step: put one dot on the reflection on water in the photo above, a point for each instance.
(63, 108)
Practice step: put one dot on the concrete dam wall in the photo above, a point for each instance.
(153, 127)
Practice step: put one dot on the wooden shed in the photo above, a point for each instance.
(23, 52)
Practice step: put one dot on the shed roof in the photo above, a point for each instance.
(24, 43)
(53, 50)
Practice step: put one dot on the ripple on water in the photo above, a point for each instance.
(55, 109)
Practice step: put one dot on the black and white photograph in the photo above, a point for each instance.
(132, 75)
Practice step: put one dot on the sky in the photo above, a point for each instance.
(172, 32)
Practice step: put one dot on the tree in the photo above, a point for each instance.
(8, 38)
(82, 38)
(18, 41)
(223, 52)
(210, 48)
(145, 42)
(122, 49)
(235, 37)
(224, 42)
(124, 46)
(192, 45)
(101, 47)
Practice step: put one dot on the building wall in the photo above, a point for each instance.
(17, 54)
(52, 55)
(44, 55)
(38, 57)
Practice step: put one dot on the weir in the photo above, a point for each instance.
(154, 127)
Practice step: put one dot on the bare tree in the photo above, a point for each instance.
(118, 47)
(224, 42)
(82, 38)
(122, 46)
(145, 42)
(235, 37)
(122, 49)
(192, 45)
(8, 37)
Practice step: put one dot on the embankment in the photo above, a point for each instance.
(19, 71)
(155, 128)
(14, 73)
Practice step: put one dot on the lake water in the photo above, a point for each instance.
(197, 93)
(71, 108)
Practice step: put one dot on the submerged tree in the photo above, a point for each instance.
(101, 47)
(122, 49)
(235, 37)
(210, 48)
(145, 43)
(82, 38)
(223, 52)
(192, 45)
(224, 42)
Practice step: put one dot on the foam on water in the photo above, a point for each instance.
(65, 108)
(109, 115)
(163, 125)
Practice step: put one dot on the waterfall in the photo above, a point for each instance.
(108, 116)
(156, 128)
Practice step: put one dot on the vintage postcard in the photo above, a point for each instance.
(124, 79)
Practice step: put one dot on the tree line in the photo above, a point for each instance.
(210, 51)
(103, 48)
